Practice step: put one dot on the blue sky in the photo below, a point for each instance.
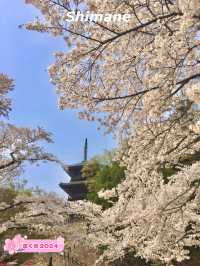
(25, 56)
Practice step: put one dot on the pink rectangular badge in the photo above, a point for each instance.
(22, 245)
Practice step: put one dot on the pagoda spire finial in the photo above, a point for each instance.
(86, 150)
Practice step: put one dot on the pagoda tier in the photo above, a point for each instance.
(76, 188)
(74, 171)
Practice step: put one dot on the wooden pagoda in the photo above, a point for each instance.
(76, 188)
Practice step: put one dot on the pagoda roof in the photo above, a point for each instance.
(74, 171)
(75, 190)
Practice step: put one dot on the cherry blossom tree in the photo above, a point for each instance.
(44, 214)
(33, 213)
(30, 214)
(18, 145)
(140, 80)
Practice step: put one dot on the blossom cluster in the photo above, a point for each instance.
(6, 85)
(46, 214)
